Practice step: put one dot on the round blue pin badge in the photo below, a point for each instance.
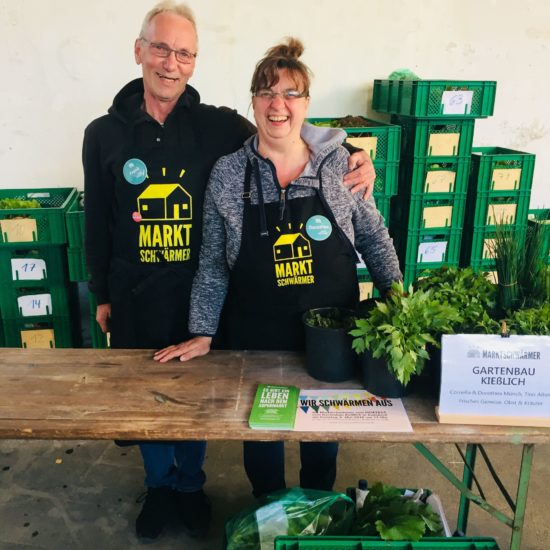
(318, 228)
(134, 171)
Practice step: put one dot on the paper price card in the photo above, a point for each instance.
(18, 230)
(501, 213)
(443, 145)
(440, 181)
(35, 304)
(506, 180)
(437, 216)
(38, 339)
(487, 379)
(457, 102)
(368, 144)
(28, 269)
(432, 251)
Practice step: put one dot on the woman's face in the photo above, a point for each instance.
(280, 118)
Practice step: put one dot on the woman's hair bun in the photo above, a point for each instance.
(292, 47)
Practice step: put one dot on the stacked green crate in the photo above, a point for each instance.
(36, 299)
(437, 121)
(542, 216)
(382, 143)
(499, 192)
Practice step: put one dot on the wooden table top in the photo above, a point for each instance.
(124, 394)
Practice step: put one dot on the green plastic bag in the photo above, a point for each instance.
(293, 512)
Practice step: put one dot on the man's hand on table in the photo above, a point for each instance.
(195, 347)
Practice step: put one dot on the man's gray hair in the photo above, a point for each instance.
(168, 6)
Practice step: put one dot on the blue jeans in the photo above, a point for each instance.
(264, 463)
(176, 464)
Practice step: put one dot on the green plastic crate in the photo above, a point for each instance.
(545, 253)
(500, 171)
(451, 137)
(489, 209)
(428, 246)
(47, 223)
(74, 219)
(413, 272)
(539, 214)
(366, 286)
(99, 339)
(386, 180)
(77, 264)
(424, 98)
(380, 139)
(431, 211)
(27, 332)
(476, 244)
(46, 264)
(61, 298)
(375, 543)
(424, 175)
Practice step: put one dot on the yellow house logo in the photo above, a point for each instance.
(165, 201)
(291, 247)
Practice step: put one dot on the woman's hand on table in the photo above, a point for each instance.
(361, 175)
(195, 347)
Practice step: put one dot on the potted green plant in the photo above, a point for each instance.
(329, 356)
(396, 333)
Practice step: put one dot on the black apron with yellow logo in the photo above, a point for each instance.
(293, 257)
(157, 231)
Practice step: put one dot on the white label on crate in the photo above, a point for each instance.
(457, 102)
(41, 195)
(18, 230)
(437, 216)
(41, 339)
(28, 269)
(445, 145)
(505, 179)
(440, 181)
(501, 214)
(367, 143)
(35, 304)
(432, 252)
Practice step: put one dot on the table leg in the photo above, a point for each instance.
(467, 476)
(521, 497)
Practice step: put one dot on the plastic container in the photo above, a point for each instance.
(40, 332)
(447, 175)
(380, 139)
(435, 138)
(509, 210)
(23, 302)
(499, 171)
(329, 355)
(434, 211)
(414, 271)
(387, 176)
(435, 98)
(377, 379)
(32, 265)
(43, 225)
(374, 543)
(77, 265)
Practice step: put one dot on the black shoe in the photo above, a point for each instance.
(158, 505)
(195, 512)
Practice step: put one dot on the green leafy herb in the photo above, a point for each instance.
(334, 318)
(14, 204)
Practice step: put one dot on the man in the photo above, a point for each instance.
(146, 165)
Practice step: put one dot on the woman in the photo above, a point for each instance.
(280, 233)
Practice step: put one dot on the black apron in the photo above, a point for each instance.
(293, 257)
(157, 233)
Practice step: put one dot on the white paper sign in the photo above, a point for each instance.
(35, 304)
(28, 269)
(432, 251)
(487, 379)
(457, 102)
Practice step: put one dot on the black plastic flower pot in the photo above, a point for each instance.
(377, 379)
(428, 382)
(329, 355)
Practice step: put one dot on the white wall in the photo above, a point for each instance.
(63, 61)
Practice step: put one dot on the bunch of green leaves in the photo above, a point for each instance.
(14, 204)
(472, 294)
(534, 321)
(334, 318)
(390, 515)
(400, 328)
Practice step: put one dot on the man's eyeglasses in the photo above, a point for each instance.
(162, 50)
(270, 95)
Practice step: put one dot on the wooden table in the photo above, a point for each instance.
(124, 394)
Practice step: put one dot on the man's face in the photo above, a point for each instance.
(164, 79)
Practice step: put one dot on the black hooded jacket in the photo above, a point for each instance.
(139, 222)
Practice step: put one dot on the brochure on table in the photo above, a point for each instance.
(319, 410)
(488, 379)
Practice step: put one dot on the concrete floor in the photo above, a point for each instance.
(82, 494)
